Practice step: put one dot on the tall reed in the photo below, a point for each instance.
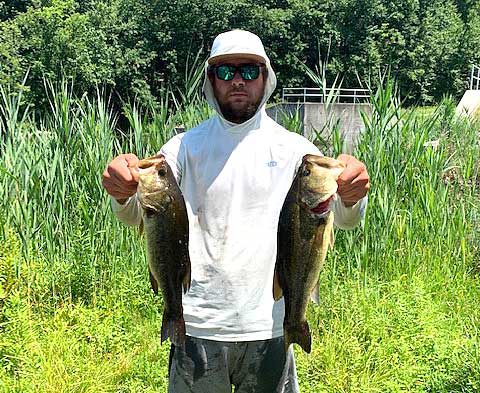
(423, 197)
(51, 195)
(417, 206)
(74, 262)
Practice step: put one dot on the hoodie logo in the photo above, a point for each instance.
(271, 164)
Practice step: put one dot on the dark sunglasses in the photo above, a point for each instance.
(226, 72)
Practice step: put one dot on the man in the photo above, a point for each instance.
(235, 170)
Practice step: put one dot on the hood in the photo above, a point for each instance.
(229, 45)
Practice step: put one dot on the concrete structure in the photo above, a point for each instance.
(469, 104)
(314, 117)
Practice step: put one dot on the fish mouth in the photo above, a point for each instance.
(323, 207)
(151, 161)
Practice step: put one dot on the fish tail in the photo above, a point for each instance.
(299, 334)
(174, 329)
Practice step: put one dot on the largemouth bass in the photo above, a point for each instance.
(305, 231)
(165, 224)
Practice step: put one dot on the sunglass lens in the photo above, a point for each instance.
(225, 72)
(249, 72)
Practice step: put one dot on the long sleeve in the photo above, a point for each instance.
(129, 213)
(349, 217)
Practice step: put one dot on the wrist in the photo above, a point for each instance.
(121, 201)
(348, 203)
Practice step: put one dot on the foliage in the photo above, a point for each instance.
(400, 294)
(9, 8)
(103, 46)
(138, 48)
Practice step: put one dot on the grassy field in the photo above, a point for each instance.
(400, 295)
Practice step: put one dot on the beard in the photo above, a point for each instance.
(242, 114)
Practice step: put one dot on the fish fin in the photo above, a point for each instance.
(153, 282)
(299, 334)
(277, 289)
(140, 227)
(187, 278)
(315, 296)
(174, 329)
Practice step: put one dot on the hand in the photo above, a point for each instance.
(354, 182)
(119, 179)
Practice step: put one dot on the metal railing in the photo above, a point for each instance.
(310, 94)
(475, 78)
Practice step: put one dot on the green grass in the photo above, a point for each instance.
(400, 294)
(71, 346)
(409, 334)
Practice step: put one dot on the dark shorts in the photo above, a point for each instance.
(207, 366)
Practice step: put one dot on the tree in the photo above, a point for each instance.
(10, 8)
(137, 47)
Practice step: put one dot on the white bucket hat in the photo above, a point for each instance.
(235, 43)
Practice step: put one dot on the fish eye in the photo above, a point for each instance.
(162, 172)
(306, 172)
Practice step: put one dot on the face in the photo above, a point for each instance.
(238, 98)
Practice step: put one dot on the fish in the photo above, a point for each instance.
(165, 225)
(305, 232)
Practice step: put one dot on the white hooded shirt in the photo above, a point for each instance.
(234, 179)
